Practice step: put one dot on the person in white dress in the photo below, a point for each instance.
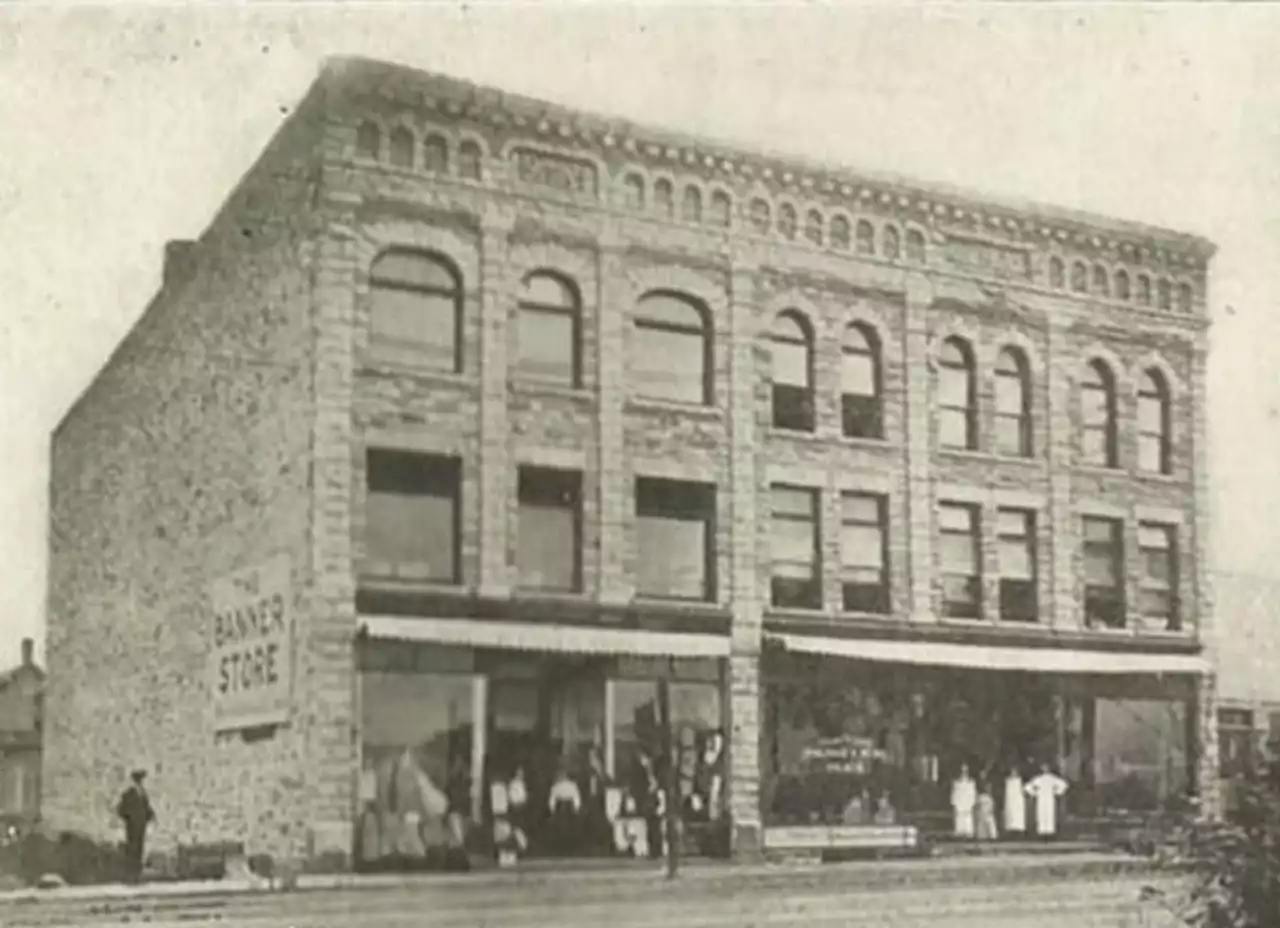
(1015, 804)
(1045, 789)
(964, 796)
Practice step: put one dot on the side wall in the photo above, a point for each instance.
(189, 457)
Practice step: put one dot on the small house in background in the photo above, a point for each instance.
(21, 718)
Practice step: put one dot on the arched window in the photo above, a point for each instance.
(470, 159)
(691, 205)
(435, 154)
(1154, 420)
(1186, 298)
(664, 198)
(957, 396)
(671, 349)
(415, 312)
(787, 221)
(813, 227)
(915, 247)
(760, 216)
(792, 362)
(401, 154)
(633, 191)
(892, 243)
(721, 209)
(1079, 278)
(840, 235)
(1057, 274)
(860, 383)
(1101, 281)
(1013, 404)
(548, 330)
(1144, 290)
(369, 141)
(1123, 290)
(866, 237)
(1098, 416)
(1164, 289)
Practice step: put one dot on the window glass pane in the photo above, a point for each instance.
(793, 501)
(1157, 566)
(1140, 752)
(959, 554)
(1009, 394)
(955, 518)
(547, 547)
(422, 322)
(953, 428)
(402, 148)
(667, 310)
(1015, 560)
(1100, 567)
(691, 205)
(1094, 406)
(1095, 447)
(545, 344)
(866, 235)
(1150, 415)
(861, 546)
(953, 387)
(1013, 523)
(793, 541)
(411, 532)
(840, 232)
(1154, 536)
(427, 714)
(1150, 453)
(413, 270)
(546, 290)
(1099, 531)
(435, 154)
(469, 160)
(857, 375)
(1009, 435)
(790, 364)
(857, 507)
(664, 197)
(668, 365)
(672, 557)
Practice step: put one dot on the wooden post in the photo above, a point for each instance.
(669, 778)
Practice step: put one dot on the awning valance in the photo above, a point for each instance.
(995, 657)
(537, 636)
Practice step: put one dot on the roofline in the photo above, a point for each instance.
(310, 101)
(341, 71)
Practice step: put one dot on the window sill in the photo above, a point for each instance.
(376, 368)
(380, 577)
(852, 615)
(1148, 476)
(660, 407)
(990, 457)
(773, 432)
(640, 601)
(1097, 470)
(797, 612)
(527, 387)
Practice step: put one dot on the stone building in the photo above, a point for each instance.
(21, 723)
(470, 417)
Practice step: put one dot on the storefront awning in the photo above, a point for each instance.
(985, 657)
(568, 639)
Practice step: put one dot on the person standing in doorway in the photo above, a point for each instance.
(134, 809)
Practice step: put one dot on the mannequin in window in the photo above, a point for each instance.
(564, 802)
(1045, 789)
(710, 779)
(1015, 803)
(985, 812)
(964, 796)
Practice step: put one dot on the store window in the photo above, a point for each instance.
(864, 561)
(1104, 600)
(412, 516)
(549, 529)
(1158, 594)
(860, 383)
(958, 527)
(794, 544)
(791, 351)
(1141, 758)
(415, 310)
(1016, 531)
(675, 539)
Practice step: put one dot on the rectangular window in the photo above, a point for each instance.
(548, 345)
(549, 530)
(413, 516)
(1016, 530)
(675, 529)
(794, 543)
(1235, 741)
(1158, 595)
(959, 525)
(669, 365)
(864, 562)
(1104, 603)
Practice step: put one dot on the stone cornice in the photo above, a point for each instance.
(357, 80)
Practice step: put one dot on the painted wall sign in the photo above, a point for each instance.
(251, 645)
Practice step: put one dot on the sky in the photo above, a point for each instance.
(123, 127)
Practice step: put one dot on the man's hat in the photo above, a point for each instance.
(138, 774)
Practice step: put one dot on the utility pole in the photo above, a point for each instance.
(669, 777)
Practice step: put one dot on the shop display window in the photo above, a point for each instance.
(1141, 758)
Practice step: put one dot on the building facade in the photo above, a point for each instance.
(21, 724)
(470, 418)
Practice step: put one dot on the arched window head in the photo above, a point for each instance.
(633, 191)
(1123, 289)
(1079, 277)
(892, 243)
(1186, 298)
(866, 237)
(470, 159)
(1098, 415)
(670, 351)
(1164, 291)
(1144, 290)
(1101, 281)
(548, 331)
(787, 221)
(721, 209)
(691, 205)
(840, 233)
(1013, 404)
(861, 406)
(813, 224)
(435, 154)
(1154, 421)
(957, 396)
(401, 148)
(915, 247)
(369, 141)
(760, 216)
(1057, 273)
(415, 313)
(791, 344)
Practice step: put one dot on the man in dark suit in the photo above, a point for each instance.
(134, 809)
